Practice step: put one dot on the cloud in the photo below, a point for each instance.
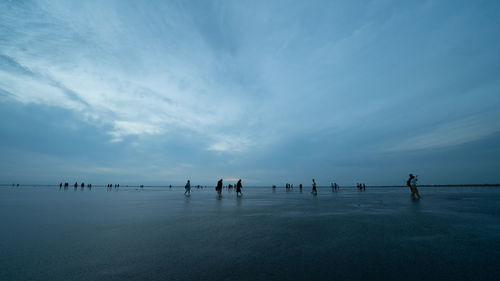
(452, 134)
(136, 90)
(256, 83)
(230, 143)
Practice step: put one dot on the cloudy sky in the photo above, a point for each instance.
(156, 92)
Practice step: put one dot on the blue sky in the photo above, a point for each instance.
(156, 92)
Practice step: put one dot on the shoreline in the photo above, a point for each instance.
(269, 186)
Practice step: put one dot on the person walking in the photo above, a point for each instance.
(188, 188)
(218, 188)
(314, 190)
(238, 188)
(412, 184)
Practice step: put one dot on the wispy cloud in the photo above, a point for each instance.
(250, 81)
(137, 90)
(451, 134)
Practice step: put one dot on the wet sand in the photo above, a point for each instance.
(159, 234)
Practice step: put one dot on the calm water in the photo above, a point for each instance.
(158, 234)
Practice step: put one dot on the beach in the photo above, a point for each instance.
(157, 233)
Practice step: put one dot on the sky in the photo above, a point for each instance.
(272, 92)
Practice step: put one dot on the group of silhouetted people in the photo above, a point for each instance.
(361, 186)
(76, 185)
(411, 183)
(218, 188)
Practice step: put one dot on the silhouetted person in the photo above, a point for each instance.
(188, 188)
(218, 188)
(364, 187)
(82, 185)
(75, 185)
(314, 190)
(170, 186)
(412, 184)
(238, 188)
(60, 185)
(300, 186)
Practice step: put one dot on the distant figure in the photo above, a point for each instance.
(412, 183)
(314, 190)
(364, 187)
(60, 185)
(82, 185)
(300, 186)
(75, 185)
(188, 188)
(238, 188)
(218, 188)
(274, 186)
(170, 186)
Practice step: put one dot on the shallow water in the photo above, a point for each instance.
(159, 234)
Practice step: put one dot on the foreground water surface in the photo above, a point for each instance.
(129, 233)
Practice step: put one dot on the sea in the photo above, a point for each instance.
(158, 233)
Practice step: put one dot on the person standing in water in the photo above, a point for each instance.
(238, 188)
(412, 184)
(219, 188)
(188, 188)
(314, 191)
